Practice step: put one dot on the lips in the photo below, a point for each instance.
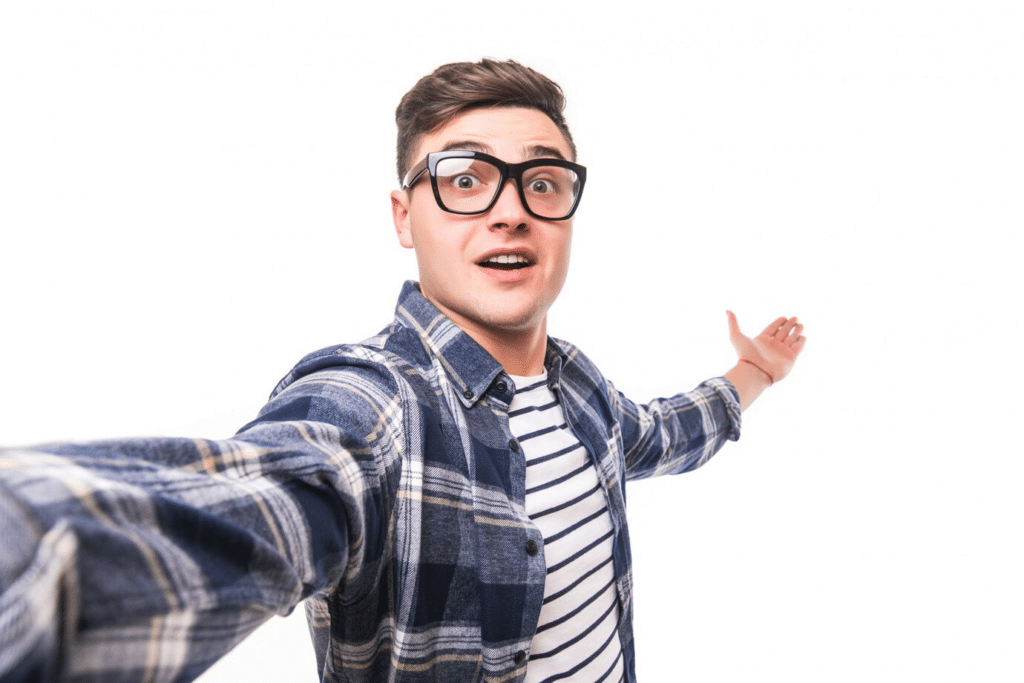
(507, 260)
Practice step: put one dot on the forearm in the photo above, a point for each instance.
(680, 433)
(749, 381)
(146, 541)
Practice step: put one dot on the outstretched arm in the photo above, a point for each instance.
(764, 359)
(148, 559)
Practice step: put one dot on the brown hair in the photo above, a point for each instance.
(454, 88)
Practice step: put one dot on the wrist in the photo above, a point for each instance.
(749, 380)
(768, 375)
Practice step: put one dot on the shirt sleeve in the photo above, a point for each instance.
(148, 559)
(678, 434)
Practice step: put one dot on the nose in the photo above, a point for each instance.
(508, 211)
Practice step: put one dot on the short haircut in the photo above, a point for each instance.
(454, 88)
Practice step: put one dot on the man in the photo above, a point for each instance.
(447, 496)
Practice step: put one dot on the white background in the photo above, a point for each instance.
(195, 194)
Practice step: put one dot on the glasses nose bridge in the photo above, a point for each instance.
(509, 172)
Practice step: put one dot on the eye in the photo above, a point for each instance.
(541, 186)
(465, 182)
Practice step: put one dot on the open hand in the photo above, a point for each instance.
(775, 350)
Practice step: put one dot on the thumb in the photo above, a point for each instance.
(734, 327)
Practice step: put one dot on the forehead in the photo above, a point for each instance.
(510, 133)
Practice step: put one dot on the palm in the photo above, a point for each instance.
(774, 350)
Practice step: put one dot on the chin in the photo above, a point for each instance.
(491, 312)
(514, 320)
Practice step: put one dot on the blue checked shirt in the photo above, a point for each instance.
(380, 484)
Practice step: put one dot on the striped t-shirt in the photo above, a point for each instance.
(577, 634)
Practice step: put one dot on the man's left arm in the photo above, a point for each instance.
(681, 433)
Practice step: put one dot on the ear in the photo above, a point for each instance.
(400, 215)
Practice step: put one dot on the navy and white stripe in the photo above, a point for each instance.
(579, 615)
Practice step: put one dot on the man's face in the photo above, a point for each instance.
(456, 253)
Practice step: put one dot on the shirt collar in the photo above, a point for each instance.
(471, 368)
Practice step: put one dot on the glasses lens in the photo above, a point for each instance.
(550, 191)
(466, 185)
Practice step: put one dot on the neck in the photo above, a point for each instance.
(520, 349)
(519, 352)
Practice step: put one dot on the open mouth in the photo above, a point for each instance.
(506, 262)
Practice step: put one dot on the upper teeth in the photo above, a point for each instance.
(507, 258)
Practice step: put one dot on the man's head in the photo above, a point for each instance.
(454, 88)
(492, 240)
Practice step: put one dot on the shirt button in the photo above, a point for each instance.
(467, 393)
(520, 656)
(531, 547)
(501, 387)
(514, 445)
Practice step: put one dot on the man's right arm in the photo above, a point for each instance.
(131, 557)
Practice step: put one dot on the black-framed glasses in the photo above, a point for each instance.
(467, 183)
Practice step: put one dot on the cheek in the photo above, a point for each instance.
(564, 249)
(439, 247)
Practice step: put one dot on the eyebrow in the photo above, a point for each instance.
(533, 152)
(544, 151)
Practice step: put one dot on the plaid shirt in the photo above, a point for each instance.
(380, 484)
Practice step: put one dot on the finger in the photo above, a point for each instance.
(798, 345)
(773, 328)
(784, 329)
(794, 333)
(734, 326)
